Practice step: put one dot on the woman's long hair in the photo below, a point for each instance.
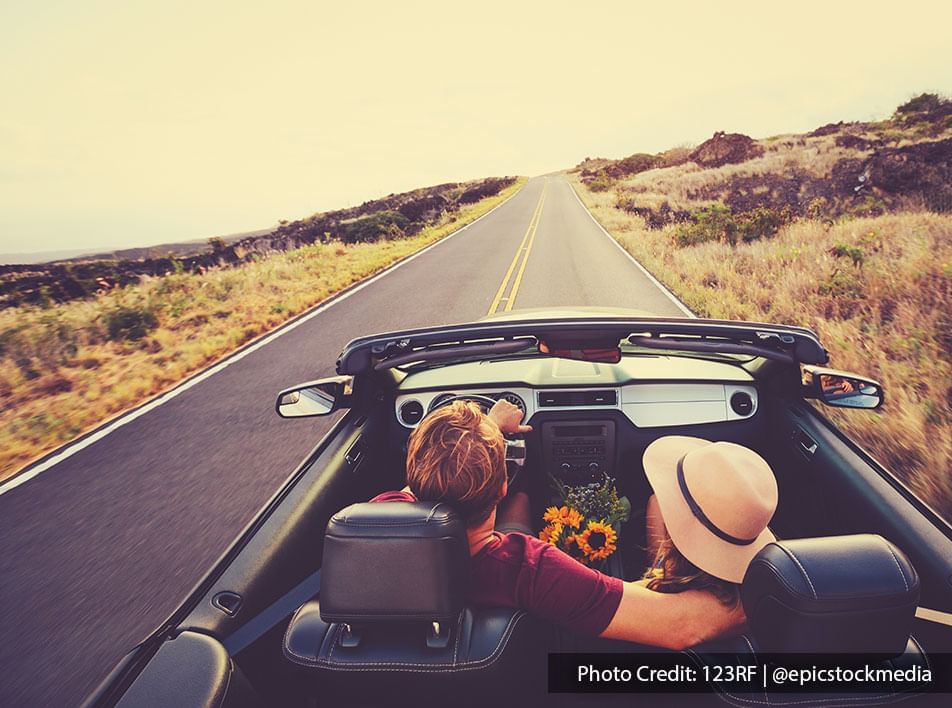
(672, 572)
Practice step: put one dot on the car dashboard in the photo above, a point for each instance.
(585, 415)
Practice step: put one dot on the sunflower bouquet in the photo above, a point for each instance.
(588, 522)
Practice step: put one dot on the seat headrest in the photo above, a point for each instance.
(388, 561)
(833, 594)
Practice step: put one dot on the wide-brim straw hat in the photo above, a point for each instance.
(716, 499)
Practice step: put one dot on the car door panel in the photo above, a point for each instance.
(845, 492)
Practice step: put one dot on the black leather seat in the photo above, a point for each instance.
(392, 609)
(844, 595)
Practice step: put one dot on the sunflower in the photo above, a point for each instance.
(597, 541)
(551, 533)
(571, 546)
(566, 515)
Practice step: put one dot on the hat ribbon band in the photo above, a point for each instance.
(701, 516)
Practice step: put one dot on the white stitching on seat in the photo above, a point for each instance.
(459, 631)
(407, 666)
(749, 645)
(433, 511)
(287, 632)
(831, 702)
(754, 653)
(224, 694)
(921, 651)
(435, 668)
(896, 560)
(802, 570)
(778, 575)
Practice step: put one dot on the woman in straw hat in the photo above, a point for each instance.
(707, 518)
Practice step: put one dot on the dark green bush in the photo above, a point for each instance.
(600, 182)
(842, 284)
(602, 179)
(854, 253)
(762, 222)
(633, 164)
(717, 222)
(384, 224)
(710, 223)
(488, 188)
(130, 323)
(929, 106)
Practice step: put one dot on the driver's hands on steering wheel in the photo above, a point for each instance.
(508, 417)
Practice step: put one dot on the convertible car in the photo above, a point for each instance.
(325, 601)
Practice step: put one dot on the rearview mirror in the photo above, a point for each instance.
(841, 389)
(314, 398)
(600, 352)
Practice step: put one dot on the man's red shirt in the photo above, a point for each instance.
(516, 570)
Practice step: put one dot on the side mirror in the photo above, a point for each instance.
(841, 389)
(313, 398)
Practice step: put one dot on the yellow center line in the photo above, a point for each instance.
(530, 234)
(525, 257)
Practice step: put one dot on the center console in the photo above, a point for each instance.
(578, 452)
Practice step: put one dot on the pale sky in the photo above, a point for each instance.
(132, 123)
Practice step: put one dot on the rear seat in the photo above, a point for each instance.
(841, 595)
(391, 626)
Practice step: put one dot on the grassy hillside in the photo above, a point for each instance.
(68, 366)
(846, 230)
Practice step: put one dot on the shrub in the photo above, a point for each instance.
(633, 164)
(717, 222)
(129, 322)
(854, 253)
(762, 222)
(600, 183)
(841, 284)
(489, 188)
(385, 224)
(710, 223)
(925, 106)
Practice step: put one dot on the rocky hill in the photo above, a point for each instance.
(854, 169)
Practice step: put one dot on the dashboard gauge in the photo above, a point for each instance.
(513, 399)
(438, 400)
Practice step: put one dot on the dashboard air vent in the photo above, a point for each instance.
(411, 412)
(742, 404)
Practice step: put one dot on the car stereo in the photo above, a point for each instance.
(578, 452)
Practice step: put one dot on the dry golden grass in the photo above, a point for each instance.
(888, 317)
(60, 374)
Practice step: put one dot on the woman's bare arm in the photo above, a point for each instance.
(671, 620)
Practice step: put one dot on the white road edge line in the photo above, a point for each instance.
(680, 305)
(69, 449)
(924, 613)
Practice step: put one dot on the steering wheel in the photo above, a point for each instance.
(485, 403)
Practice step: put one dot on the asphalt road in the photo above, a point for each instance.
(98, 549)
